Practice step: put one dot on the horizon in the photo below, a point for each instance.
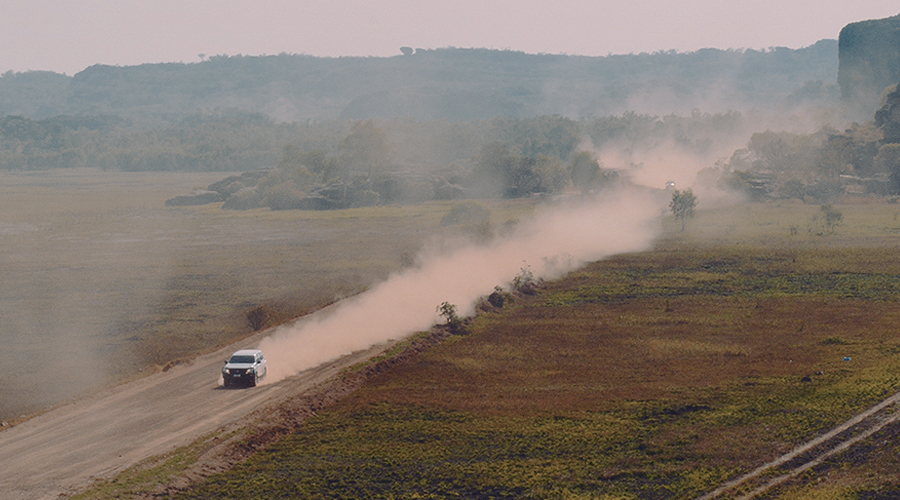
(63, 38)
(208, 58)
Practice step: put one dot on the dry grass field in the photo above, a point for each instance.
(656, 375)
(101, 282)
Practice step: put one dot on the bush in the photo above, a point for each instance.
(258, 316)
(245, 199)
(524, 282)
(454, 322)
(498, 298)
(469, 212)
(826, 221)
(284, 198)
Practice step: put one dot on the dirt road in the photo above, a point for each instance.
(96, 437)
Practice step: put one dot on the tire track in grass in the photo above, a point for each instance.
(812, 453)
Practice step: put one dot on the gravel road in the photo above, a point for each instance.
(64, 450)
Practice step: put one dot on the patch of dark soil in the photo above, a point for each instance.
(891, 493)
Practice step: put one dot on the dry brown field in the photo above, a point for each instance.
(102, 283)
(655, 375)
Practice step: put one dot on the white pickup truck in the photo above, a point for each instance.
(245, 367)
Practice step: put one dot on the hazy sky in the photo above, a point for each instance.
(67, 36)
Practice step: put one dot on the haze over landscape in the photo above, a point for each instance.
(178, 179)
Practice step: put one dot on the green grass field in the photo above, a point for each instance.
(655, 375)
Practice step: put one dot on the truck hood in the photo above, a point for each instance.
(238, 366)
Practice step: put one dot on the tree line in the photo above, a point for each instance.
(338, 163)
(350, 162)
(437, 84)
(232, 140)
(863, 159)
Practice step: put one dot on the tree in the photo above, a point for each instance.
(584, 170)
(849, 152)
(499, 171)
(832, 218)
(826, 190)
(682, 205)
(781, 152)
(522, 178)
(498, 297)
(792, 188)
(552, 175)
(887, 118)
(587, 174)
(367, 149)
(493, 165)
(454, 322)
(316, 161)
(550, 135)
(828, 219)
(888, 160)
(524, 281)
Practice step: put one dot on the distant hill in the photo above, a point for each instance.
(452, 84)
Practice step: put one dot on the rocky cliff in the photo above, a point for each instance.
(868, 62)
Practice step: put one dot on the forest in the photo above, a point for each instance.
(436, 84)
(452, 123)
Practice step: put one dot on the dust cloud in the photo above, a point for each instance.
(555, 241)
(657, 166)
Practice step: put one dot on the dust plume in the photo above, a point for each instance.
(555, 241)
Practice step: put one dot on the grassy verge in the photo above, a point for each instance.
(652, 375)
(149, 476)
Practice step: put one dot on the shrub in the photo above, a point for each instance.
(468, 212)
(258, 316)
(524, 281)
(454, 322)
(498, 297)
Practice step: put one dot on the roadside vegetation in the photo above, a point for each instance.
(653, 375)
